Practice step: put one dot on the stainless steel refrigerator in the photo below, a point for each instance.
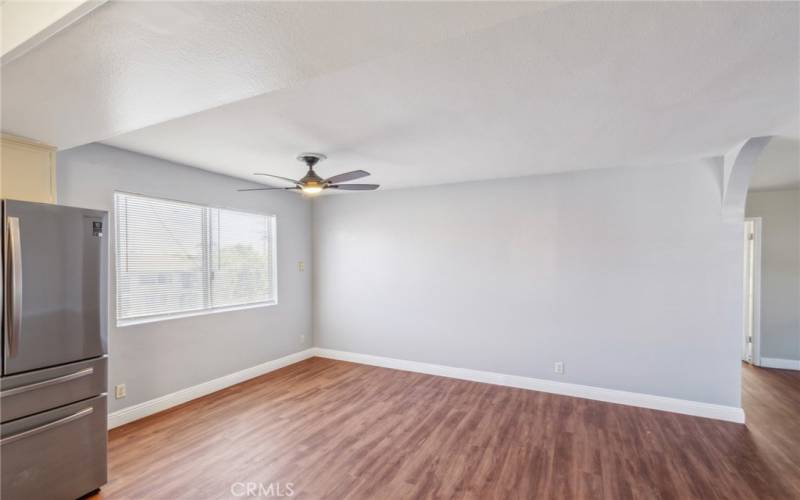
(53, 386)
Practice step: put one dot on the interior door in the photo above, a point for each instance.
(54, 293)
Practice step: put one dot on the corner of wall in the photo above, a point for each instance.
(738, 166)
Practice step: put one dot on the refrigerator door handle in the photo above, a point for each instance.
(36, 430)
(14, 287)
(46, 383)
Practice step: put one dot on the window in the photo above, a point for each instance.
(176, 259)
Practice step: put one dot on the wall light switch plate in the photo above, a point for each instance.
(119, 391)
(301, 266)
(559, 367)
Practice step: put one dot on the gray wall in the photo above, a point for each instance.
(155, 359)
(629, 276)
(780, 271)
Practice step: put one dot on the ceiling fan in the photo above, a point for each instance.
(312, 183)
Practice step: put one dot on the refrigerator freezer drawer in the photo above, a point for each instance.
(40, 390)
(55, 455)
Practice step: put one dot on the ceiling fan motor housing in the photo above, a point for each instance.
(311, 178)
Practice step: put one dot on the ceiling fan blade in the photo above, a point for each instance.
(279, 177)
(267, 189)
(355, 187)
(347, 176)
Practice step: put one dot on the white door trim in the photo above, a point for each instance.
(757, 231)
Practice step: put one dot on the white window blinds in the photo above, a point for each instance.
(177, 258)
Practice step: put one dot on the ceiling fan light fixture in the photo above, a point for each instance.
(312, 184)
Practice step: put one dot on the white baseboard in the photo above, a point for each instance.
(686, 407)
(141, 410)
(785, 364)
(696, 408)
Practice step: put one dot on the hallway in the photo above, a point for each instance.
(771, 401)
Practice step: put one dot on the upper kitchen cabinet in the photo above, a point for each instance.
(27, 170)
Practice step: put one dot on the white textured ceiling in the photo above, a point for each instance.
(778, 166)
(420, 93)
(133, 64)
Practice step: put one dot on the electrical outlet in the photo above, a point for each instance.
(120, 391)
(302, 339)
(301, 266)
(559, 367)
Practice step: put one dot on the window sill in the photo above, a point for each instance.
(166, 317)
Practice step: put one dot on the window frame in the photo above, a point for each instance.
(154, 318)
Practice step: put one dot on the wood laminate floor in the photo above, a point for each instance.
(341, 430)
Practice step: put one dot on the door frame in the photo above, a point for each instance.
(757, 239)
